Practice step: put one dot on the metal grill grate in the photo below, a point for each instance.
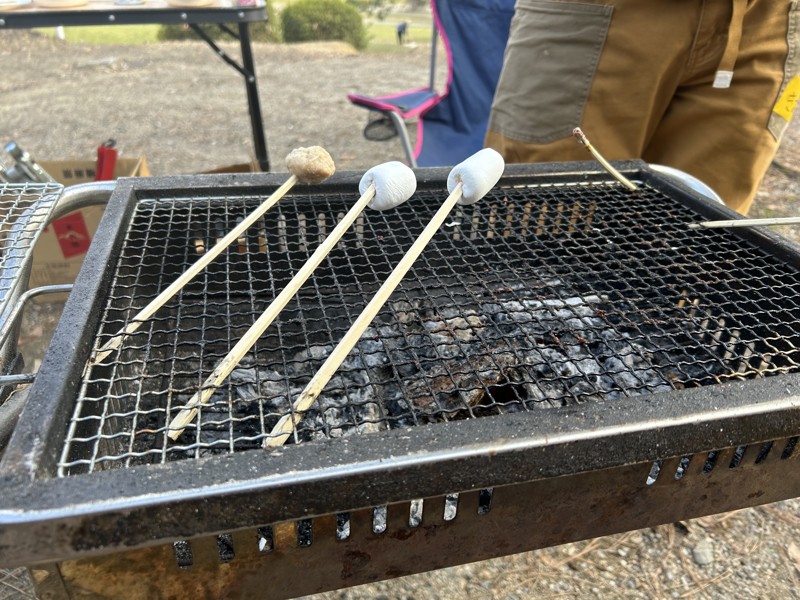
(24, 208)
(538, 297)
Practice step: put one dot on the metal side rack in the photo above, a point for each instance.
(26, 210)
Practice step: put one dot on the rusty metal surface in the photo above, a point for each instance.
(520, 518)
(129, 508)
(132, 505)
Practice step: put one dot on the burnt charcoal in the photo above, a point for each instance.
(370, 352)
(431, 361)
(309, 359)
(461, 386)
(448, 334)
(253, 383)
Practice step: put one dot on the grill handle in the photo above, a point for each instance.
(82, 195)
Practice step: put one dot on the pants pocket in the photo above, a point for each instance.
(549, 65)
(790, 88)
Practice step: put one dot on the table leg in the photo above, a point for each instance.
(256, 121)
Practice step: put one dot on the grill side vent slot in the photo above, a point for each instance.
(183, 554)
(415, 513)
(450, 507)
(305, 535)
(737, 456)
(790, 444)
(379, 519)
(485, 501)
(266, 539)
(711, 461)
(225, 547)
(763, 452)
(342, 526)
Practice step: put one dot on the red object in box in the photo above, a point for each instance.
(106, 161)
(72, 234)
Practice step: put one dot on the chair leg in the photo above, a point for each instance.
(400, 125)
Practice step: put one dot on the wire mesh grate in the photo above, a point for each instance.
(538, 297)
(24, 209)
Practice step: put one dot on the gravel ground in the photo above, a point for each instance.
(186, 111)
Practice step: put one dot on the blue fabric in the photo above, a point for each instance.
(405, 102)
(477, 32)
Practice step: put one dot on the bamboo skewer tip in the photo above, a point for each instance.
(765, 222)
(148, 311)
(584, 141)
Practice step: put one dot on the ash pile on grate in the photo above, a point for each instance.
(426, 363)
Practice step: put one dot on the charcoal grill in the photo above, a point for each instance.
(566, 360)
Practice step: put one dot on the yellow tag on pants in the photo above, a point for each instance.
(788, 100)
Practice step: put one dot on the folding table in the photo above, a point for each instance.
(28, 14)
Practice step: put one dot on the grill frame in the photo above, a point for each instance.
(144, 506)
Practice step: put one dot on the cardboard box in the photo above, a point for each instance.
(62, 246)
(251, 167)
(72, 172)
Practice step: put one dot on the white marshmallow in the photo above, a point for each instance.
(478, 174)
(394, 184)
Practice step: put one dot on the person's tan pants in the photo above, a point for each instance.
(637, 76)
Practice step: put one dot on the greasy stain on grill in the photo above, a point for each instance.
(536, 298)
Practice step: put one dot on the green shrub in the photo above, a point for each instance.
(260, 31)
(314, 20)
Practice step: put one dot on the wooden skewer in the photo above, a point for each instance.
(746, 223)
(606, 165)
(283, 429)
(159, 301)
(242, 347)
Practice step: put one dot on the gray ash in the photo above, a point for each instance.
(421, 362)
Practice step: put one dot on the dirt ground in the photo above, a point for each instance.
(185, 110)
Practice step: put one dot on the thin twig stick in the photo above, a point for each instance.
(159, 301)
(242, 347)
(606, 165)
(746, 223)
(283, 429)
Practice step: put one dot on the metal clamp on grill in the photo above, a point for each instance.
(566, 359)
